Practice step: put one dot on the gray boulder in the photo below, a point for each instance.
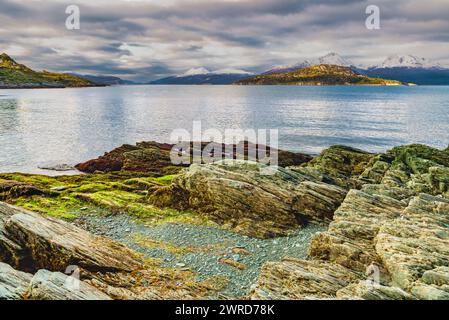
(46, 285)
(13, 283)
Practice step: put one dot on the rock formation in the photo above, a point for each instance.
(391, 236)
(155, 157)
(387, 237)
(35, 252)
(246, 197)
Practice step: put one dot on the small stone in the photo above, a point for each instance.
(236, 257)
(58, 188)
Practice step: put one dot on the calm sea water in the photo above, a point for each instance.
(55, 126)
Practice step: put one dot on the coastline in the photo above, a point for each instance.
(337, 189)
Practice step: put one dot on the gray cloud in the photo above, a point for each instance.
(147, 39)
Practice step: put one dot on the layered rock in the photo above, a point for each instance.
(251, 198)
(46, 285)
(416, 243)
(339, 165)
(300, 279)
(393, 233)
(46, 247)
(13, 284)
(55, 244)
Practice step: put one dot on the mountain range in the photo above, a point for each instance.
(403, 68)
(204, 76)
(410, 68)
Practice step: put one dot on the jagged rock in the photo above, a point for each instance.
(300, 279)
(391, 225)
(342, 165)
(427, 292)
(238, 195)
(419, 158)
(47, 243)
(46, 285)
(13, 283)
(317, 201)
(55, 244)
(9, 250)
(349, 240)
(438, 276)
(407, 171)
(416, 242)
(366, 290)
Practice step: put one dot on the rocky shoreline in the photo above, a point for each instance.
(385, 216)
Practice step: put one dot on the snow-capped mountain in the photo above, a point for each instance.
(231, 71)
(204, 71)
(408, 61)
(411, 69)
(335, 59)
(194, 72)
(330, 58)
(205, 76)
(284, 69)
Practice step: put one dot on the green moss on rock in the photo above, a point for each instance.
(69, 196)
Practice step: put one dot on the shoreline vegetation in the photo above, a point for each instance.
(138, 227)
(18, 76)
(318, 75)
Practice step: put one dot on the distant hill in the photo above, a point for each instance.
(105, 80)
(330, 58)
(15, 75)
(323, 74)
(198, 76)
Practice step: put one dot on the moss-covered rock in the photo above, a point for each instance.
(397, 224)
(70, 196)
(155, 157)
(341, 165)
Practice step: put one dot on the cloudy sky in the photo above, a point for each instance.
(148, 39)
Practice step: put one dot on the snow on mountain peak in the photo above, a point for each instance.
(334, 58)
(231, 71)
(204, 71)
(407, 61)
(195, 71)
(330, 58)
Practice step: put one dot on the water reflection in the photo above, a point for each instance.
(13, 149)
(73, 125)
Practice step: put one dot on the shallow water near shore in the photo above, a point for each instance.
(47, 127)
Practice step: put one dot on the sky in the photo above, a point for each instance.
(145, 40)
